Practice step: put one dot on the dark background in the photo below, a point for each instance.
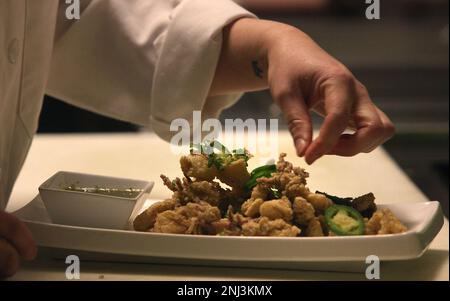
(402, 59)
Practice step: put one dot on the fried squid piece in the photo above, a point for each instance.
(146, 220)
(314, 228)
(203, 211)
(263, 226)
(229, 226)
(384, 222)
(284, 166)
(319, 202)
(258, 195)
(296, 188)
(277, 209)
(196, 166)
(209, 192)
(251, 207)
(286, 176)
(323, 223)
(303, 211)
(236, 218)
(218, 226)
(224, 227)
(260, 191)
(186, 191)
(172, 222)
(277, 180)
(192, 218)
(234, 174)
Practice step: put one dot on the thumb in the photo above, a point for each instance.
(298, 118)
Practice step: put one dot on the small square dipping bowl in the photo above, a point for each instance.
(89, 209)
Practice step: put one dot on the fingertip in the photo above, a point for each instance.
(300, 147)
(311, 156)
(308, 156)
(308, 161)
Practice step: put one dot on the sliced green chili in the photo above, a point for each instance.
(264, 171)
(344, 220)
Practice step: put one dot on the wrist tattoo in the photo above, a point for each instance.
(257, 70)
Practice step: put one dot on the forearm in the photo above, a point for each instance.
(257, 54)
(243, 61)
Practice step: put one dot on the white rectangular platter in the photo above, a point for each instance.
(424, 220)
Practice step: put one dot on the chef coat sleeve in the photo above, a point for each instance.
(146, 62)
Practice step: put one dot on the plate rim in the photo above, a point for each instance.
(413, 240)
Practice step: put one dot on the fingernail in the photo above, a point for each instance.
(300, 146)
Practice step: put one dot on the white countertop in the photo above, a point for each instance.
(144, 156)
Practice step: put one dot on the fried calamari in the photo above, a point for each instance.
(218, 196)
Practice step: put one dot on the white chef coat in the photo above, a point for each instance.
(143, 61)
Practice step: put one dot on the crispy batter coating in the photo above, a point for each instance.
(296, 188)
(146, 220)
(319, 202)
(196, 166)
(323, 223)
(188, 219)
(314, 228)
(265, 227)
(194, 191)
(172, 222)
(217, 226)
(289, 180)
(231, 225)
(276, 209)
(236, 218)
(234, 174)
(284, 166)
(277, 180)
(251, 207)
(303, 211)
(209, 192)
(280, 205)
(203, 211)
(384, 222)
(260, 191)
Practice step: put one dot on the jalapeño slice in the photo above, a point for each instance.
(344, 220)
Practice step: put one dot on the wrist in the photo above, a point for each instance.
(277, 36)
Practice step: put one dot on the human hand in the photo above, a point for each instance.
(303, 77)
(16, 244)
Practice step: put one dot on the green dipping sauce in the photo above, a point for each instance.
(130, 193)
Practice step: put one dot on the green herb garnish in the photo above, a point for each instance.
(218, 155)
(264, 171)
